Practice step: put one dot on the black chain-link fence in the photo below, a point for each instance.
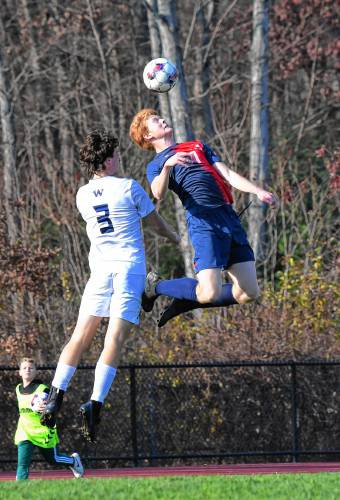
(209, 413)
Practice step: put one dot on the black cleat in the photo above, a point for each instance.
(149, 295)
(176, 307)
(53, 404)
(90, 416)
(148, 303)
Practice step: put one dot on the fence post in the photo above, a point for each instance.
(295, 414)
(133, 413)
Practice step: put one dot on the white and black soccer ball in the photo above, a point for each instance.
(160, 75)
(37, 399)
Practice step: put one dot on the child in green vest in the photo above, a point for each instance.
(30, 433)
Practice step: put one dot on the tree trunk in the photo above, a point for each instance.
(65, 136)
(174, 106)
(167, 25)
(35, 88)
(203, 121)
(156, 51)
(10, 190)
(259, 124)
(9, 154)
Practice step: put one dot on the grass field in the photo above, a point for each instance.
(325, 486)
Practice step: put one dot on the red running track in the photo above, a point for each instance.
(190, 470)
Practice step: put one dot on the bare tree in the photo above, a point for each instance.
(9, 153)
(66, 69)
(259, 123)
(156, 51)
(201, 19)
(164, 12)
(10, 183)
(167, 24)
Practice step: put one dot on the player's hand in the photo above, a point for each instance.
(41, 406)
(183, 159)
(267, 197)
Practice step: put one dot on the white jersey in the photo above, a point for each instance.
(112, 209)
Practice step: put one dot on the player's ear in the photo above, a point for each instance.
(147, 136)
(107, 162)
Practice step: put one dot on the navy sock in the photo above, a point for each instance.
(185, 288)
(181, 288)
(225, 299)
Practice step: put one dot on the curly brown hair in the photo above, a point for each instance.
(98, 146)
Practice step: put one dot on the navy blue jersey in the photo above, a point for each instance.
(198, 185)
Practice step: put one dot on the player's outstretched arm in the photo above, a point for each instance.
(239, 182)
(161, 227)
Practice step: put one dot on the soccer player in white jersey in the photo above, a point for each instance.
(112, 208)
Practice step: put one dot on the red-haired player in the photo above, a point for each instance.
(202, 182)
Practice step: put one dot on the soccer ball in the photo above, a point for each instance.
(37, 399)
(160, 75)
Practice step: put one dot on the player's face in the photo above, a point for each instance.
(27, 371)
(157, 127)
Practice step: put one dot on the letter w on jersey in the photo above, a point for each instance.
(98, 192)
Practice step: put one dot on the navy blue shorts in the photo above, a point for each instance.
(218, 238)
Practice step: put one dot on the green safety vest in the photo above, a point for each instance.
(29, 426)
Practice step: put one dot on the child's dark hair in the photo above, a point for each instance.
(98, 146)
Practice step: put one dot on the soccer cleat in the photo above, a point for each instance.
(90, 415)
(176, 307)
(77, 467)
(53, 404)
(149, 295)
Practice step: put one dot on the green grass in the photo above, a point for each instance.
(325, 486)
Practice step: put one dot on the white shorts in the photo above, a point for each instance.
(114, 295)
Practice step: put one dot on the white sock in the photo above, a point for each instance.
(103, 378)
(62, 376)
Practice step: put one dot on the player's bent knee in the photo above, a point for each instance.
(251, 295)
(207, 296)
(246, 296)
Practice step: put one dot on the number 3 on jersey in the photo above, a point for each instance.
(108, 228)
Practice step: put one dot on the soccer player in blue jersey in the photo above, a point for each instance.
(203, 183)
(112, 208)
